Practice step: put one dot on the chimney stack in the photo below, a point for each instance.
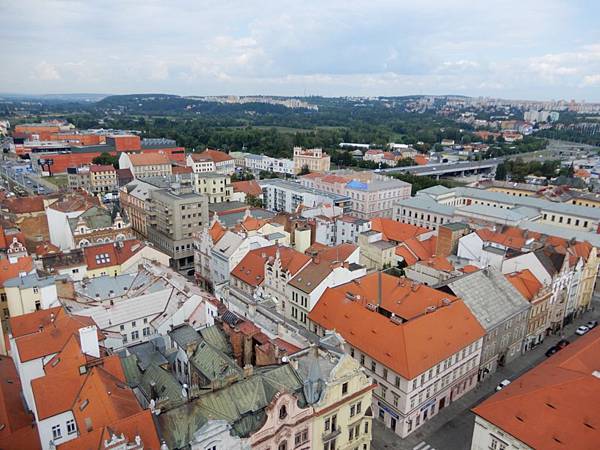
(89, 341)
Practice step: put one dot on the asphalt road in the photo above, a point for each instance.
(452, 429)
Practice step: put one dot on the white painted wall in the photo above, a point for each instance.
(45, 429)
(58, 226)
(484, 433)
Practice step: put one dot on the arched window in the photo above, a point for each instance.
(282, 445)
(282, 412)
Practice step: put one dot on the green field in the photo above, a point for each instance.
(57, 180)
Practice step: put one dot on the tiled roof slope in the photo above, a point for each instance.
(554, 406)
(434, 325)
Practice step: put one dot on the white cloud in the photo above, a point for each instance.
(335, 47)
(46, 72)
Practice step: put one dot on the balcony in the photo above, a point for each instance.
(331, 434)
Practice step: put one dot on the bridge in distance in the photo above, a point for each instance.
(461, 168)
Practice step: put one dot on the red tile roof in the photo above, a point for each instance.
(75, 201)
(24, 205)
(469, 268)
(413, 250)
(439, 263)
(102, 168)
(507, 240)
(526, 283)
(108, 255)
(250, 187)
(52, 337)
(17, 431)
(8, 270)
(426, 336)
(396, 231)
(216, 232)
(175, 170)
(31, 323)
(421, 160)
(148, 159)
(46, 248)
(214, 155)
(140, 424)
(338, 253)
(251, 269)
(7, 238)
(252, 223)
(554, 406)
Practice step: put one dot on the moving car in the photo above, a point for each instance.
(502, 385)
(581, 330)
(592, 324)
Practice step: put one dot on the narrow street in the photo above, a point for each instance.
(452, 428)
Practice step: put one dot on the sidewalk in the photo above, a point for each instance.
(452, 428)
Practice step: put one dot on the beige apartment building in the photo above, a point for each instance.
(315, 159)
(143, 165)
(216, 186)
(103, 178)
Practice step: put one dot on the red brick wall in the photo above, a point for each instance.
(123, 143)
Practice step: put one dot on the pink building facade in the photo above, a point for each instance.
(287, 427)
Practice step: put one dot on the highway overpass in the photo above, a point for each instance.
(455, 169)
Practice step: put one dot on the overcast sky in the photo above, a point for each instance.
(535, 49)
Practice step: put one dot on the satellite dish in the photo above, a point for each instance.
(285, 359)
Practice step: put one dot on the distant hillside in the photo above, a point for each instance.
(163, 104)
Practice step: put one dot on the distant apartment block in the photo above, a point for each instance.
(268, 164)
(371, 194)
(286, 196)
(211, 161)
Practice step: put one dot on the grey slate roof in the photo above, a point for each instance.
(241, 404)
(184, 335)
(489, 295)
(214, 364)
(426, 203)
(215, 337)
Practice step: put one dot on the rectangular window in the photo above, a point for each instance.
(71, 428)
(56, 432)
(135, 335)
(344, 388)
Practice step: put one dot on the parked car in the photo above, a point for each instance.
(562, 343)
(592, 324)
(502, 385)
(581, 330)
(552, 350)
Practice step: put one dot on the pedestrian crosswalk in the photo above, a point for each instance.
(423, 446)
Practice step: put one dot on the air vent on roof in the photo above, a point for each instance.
(371, 307)
(396, 319)
(84, 404)
(430, 309)
(446, 301)
(350, 296)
